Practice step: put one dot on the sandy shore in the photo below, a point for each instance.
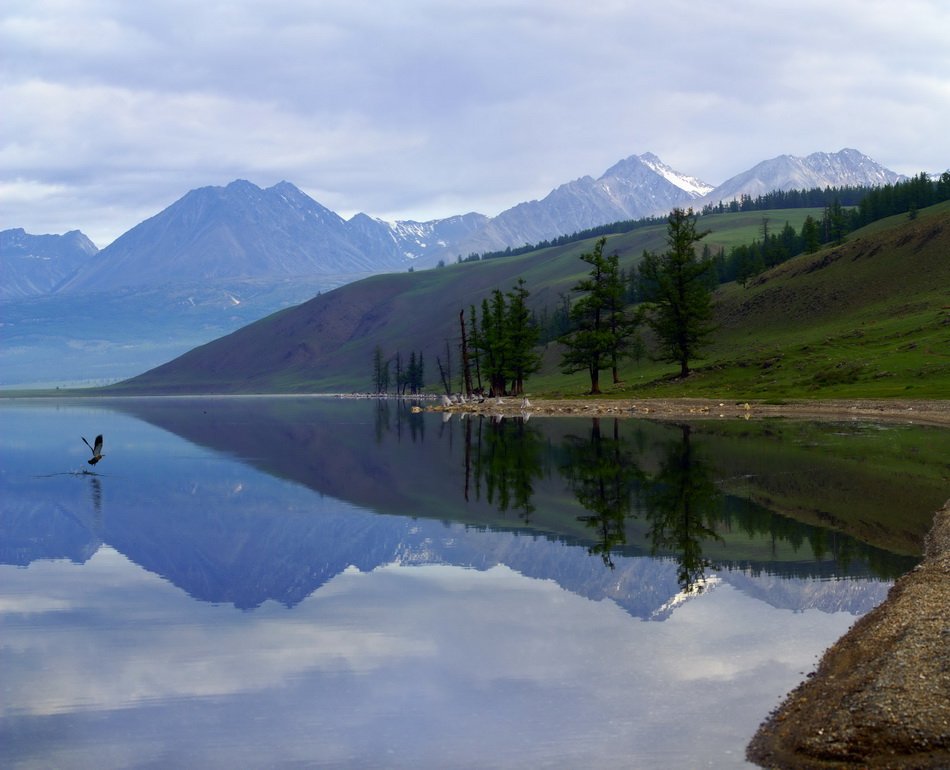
(930, 412)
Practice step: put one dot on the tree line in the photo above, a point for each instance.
(391, 372)
(838, 219)
(873, 202)
(598, 322)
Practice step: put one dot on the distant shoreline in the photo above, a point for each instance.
(912, 411)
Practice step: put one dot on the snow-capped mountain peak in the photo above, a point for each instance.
(689, 184)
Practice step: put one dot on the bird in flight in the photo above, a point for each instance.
(96, 448)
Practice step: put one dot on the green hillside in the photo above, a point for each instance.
(869, 318)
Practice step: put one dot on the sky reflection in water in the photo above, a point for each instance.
(185, 608)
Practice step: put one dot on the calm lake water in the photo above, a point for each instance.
(309, 582)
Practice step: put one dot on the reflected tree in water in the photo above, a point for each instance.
(405, 417)
(682, 504)
(603, 474)
(506, 456)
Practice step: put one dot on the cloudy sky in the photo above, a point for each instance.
(426, 108)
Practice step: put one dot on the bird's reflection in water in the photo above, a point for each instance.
(96, 491)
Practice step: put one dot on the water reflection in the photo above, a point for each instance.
(682, 506)
(264, 582)
(655, 491)
(603, 474)
(621, 489)
(505, 457)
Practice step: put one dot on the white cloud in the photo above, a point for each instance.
(432, 663)
(433, 108)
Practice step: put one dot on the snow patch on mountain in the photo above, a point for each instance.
(688, 184)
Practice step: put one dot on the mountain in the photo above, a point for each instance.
(408, 240)
(242, 232)
(846, 168)
(34, 265)
(889, 277)
(224, 233)
(636, 187)
(222, 257)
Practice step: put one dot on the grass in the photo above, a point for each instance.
(868, 319)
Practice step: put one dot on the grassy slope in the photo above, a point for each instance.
(869, 318)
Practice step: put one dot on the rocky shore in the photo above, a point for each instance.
(923, 412)
(881, 695)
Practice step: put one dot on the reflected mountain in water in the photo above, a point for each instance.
(36, 529)
(246, 559)
(587, 499)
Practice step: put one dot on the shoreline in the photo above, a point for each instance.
(922, 412)
(880, 697)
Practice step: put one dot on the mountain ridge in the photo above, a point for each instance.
(847, 167)
(39, 264)
(242, 231)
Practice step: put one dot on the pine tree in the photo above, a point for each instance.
(493, 342)
(596, 339)
(521, 337)
(681, 304)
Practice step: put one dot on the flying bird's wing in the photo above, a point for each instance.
(97, 449)
(88, 444)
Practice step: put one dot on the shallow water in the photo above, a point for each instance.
(326, 583)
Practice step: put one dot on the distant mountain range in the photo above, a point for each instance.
(847, 168)
(39, 264)
(243, 232)
(221, 257)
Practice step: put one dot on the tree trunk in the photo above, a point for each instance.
(594, 381)
(466, 366)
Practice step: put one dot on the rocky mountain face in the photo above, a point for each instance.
(636, 187)
(243, 232)
(820, 169)
(34, 265)
(223, 233)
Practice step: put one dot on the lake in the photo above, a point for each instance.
(319, 582)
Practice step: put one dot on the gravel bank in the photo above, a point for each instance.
(881, 695)
(922, 412)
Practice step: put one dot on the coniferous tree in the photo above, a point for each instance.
(411, 372)
(521, 337)
(811, 235)
(595, 338)
(400, 379)
(494, 343)
(474, 346)
(681, 303)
